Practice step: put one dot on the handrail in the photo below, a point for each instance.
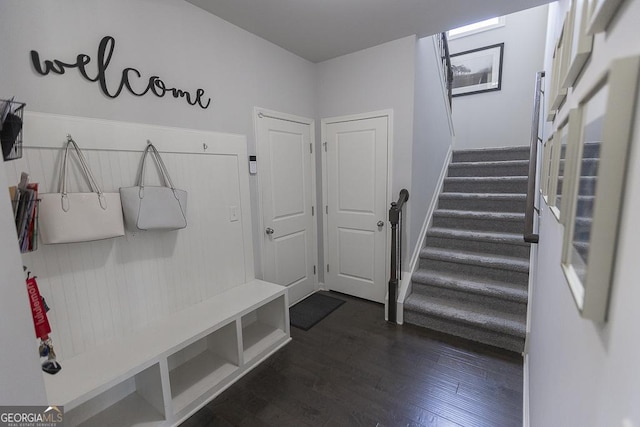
(446, 65)
(395, 218)
(529, 235)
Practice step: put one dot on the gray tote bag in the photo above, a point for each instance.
(147, 207)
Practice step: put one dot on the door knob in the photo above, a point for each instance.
(380, 224)
(269, 231)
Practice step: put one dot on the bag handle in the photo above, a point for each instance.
(86, 171)
(164, 173)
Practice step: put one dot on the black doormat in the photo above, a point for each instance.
(313, 309)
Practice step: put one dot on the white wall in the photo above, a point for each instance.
(503, 118)
(374, 79)
(584, 373)
(432, 135)
(185, 46)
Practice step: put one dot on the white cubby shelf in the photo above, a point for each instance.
(160, 375)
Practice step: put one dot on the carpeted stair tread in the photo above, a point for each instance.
(486, 184)
(489, 168)
(471, 258)
(516, 178)
(492, 163)
(491, 154)
(488, 202)
(484, 236)
(504, 216)
(483, 196)
(462, 283)
(480, 317)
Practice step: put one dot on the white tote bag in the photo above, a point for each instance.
(79, 217)
(149, 207)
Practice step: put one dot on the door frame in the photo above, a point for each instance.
(325, 196)
(258, 113)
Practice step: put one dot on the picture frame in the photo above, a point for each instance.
(547, 155)
(557, 166)
(579, 43)
(599, 139)
(602, 12)
(477, 70)
(560, 60)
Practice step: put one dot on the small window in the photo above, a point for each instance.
(487, 24)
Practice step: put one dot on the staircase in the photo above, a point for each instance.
(473, 274)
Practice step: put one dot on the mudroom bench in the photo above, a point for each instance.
(160, 375)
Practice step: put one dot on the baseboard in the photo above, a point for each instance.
(525, 391)
(533, 261)
(405, 284)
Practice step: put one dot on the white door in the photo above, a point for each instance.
(356, 206)
(286, 173)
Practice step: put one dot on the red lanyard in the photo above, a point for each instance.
(40, 321)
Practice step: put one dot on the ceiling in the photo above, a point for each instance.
(323, 29)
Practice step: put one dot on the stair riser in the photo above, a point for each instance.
(490, 155)
(483, 170)
(508, 342)
(483, 204)
(482, 247)
(483, 301)
(479, 224)
(475, 272)
(491, 186)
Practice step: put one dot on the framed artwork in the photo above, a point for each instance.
(599, 144)
(547, 155)
(579, 43)
(478, 70)
(557, 168)
(602, 11)
(560, 60)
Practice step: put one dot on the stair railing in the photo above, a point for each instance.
(529, 235)
(445, 57)
(395, 218)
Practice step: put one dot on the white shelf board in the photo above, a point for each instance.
(133, 410)
(196, 377)
(258, 337)
(89, 374)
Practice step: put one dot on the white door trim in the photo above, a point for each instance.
(263, 112)
(325, 196)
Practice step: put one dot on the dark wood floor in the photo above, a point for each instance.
(355, 369)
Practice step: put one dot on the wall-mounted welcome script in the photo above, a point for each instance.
(155, 84)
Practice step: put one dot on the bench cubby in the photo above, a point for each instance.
(202, 366)
(136, 400)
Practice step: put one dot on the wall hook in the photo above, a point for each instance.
(204, 146)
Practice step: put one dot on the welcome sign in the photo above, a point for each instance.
(154, 85)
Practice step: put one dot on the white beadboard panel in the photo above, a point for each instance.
(104, 290)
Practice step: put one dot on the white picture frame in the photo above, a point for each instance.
(599, 145)
(602, 12)
(557, 165)
(579, 43)
(560, 61)
(547, 155)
